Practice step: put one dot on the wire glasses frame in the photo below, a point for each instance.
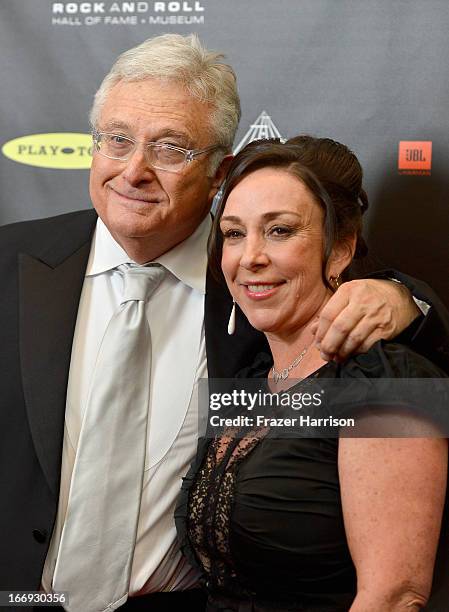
(162, 156)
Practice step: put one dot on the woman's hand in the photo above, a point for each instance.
(360, 313)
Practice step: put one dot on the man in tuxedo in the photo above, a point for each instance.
(164, 120)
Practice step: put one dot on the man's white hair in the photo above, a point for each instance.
(184, 60)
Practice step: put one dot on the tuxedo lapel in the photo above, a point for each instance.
(49, 291)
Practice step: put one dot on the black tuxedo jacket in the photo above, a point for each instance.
(42, 267)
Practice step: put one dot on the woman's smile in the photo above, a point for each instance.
(257, 290)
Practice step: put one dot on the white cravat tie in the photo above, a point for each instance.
(99, 534)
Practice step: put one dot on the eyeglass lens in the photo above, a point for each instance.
(120, 147)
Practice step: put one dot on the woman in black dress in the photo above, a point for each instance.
(307, 524)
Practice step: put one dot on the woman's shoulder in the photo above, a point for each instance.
(389, 360)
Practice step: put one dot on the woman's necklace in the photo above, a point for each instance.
(283, 374)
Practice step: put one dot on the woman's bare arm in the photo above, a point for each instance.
(393, 492)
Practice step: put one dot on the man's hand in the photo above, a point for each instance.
(360, 313)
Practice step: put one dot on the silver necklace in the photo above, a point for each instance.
(283, 374)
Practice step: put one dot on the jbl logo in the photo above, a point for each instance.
(415, 155)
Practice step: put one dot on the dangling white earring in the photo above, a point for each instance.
(231, 324)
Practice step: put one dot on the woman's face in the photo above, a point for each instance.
(272, 251)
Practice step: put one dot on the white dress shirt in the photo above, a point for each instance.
(176, 318)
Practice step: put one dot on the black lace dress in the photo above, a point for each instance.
(262, 516)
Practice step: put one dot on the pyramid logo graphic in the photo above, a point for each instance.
(263, 127)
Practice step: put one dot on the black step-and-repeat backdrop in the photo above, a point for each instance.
(373, 74)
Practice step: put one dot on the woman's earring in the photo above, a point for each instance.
(231, 324)
(335, 281)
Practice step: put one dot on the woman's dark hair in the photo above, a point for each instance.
(330, 171)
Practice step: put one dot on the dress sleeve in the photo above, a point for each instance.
(407, 385)
(390, 360)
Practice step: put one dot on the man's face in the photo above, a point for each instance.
(149, 211)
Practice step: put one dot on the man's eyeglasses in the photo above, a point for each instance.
(161, 156)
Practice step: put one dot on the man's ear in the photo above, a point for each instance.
(220, 174)
(341, 256)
